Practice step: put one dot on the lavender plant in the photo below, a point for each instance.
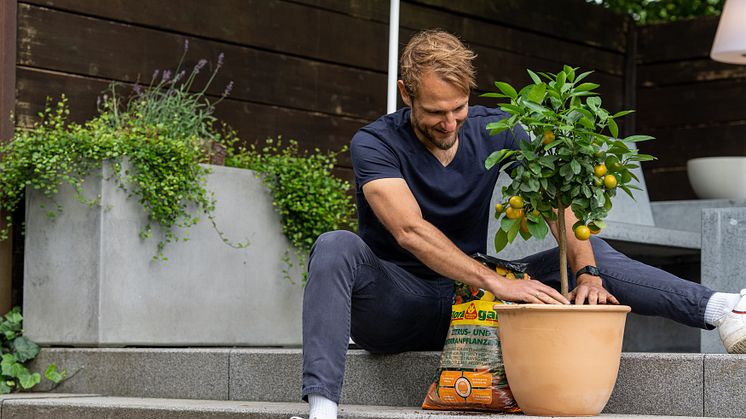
(154, 138)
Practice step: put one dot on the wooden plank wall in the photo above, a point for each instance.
(695, 107)
(7, 98)
(313, 70)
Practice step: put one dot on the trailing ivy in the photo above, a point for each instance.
(308, 197)
(155, 140)
(17, 350)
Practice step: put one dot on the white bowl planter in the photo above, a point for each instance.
(90, 279)
(718, 177)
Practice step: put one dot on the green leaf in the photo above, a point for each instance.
(560, 80)
(496, 127)
(524, 234)
(501, 240)
(575, 166)
(28, 381)
(4, 387)
(536, 94)
(506, 223)
(497, 157)
(24, 349)
(511, 109)
(613, 128)
(534, 76)
(514, 231)
(579, 78)
(506, 89)
(622, 113)
(642, 157)
(570, 73)
(535, 107)
(538, 229)
(53, 375)
(593, 102)
(585, 87)
(638, 138)
(493, 94)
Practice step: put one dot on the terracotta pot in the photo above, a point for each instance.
(561, 360)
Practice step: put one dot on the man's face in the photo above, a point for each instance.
(438, 111)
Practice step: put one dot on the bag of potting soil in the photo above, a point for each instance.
(471, 375)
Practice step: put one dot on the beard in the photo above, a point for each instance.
(441, 140)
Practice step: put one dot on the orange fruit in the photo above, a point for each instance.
(513, 213)
(610, 181)
(524, 225)
(516, 202)
(582, 232)
(548, 137)
(600, 170)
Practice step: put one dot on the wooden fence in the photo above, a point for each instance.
(695, 107)
(313, 70)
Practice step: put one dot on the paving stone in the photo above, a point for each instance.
(659, 384)
(725, 385)
(140, 372)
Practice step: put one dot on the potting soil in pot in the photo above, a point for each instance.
(471, 375)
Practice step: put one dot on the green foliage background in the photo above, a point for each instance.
(653, 11)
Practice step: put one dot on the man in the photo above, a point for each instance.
(423, 198)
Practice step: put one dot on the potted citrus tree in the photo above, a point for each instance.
(573, 161)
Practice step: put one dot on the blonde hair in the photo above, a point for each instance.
(438, 51)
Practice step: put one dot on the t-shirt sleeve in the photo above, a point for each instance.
(373, 159)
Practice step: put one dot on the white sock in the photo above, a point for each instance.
(322, 408)
(719, 305)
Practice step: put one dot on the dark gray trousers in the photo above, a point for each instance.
(385, 309)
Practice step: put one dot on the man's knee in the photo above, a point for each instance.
(338, 246)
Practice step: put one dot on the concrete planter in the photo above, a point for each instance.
(90, 280)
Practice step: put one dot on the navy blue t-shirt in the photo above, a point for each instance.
(454, 198)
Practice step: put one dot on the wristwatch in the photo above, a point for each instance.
(588, 269)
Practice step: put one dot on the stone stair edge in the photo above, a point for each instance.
(85, 406)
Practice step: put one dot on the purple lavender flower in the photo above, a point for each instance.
(220, 59)
(155, 74)
(137, 89)
(98, 102)
(228, 89)
(179, 76)
(199, 66)
(186, 45)
(166, 76)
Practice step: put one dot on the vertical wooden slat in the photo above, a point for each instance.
(7, 103)
(630, 78)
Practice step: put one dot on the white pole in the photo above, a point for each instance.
(393, 55)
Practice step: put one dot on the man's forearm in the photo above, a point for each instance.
(439, 253)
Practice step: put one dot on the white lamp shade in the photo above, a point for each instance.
(730, 39)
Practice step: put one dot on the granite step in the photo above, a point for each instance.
(651, 384)
(95, 407)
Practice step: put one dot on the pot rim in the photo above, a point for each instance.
(566, 307)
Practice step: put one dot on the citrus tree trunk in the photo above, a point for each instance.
(562, 246)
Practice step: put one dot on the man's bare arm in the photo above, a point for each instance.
(395, 206)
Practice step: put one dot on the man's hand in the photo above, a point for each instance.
(591, 288)
(530, 291)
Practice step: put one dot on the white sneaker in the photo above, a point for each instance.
(732, 327)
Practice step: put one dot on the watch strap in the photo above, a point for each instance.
(588, 269)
